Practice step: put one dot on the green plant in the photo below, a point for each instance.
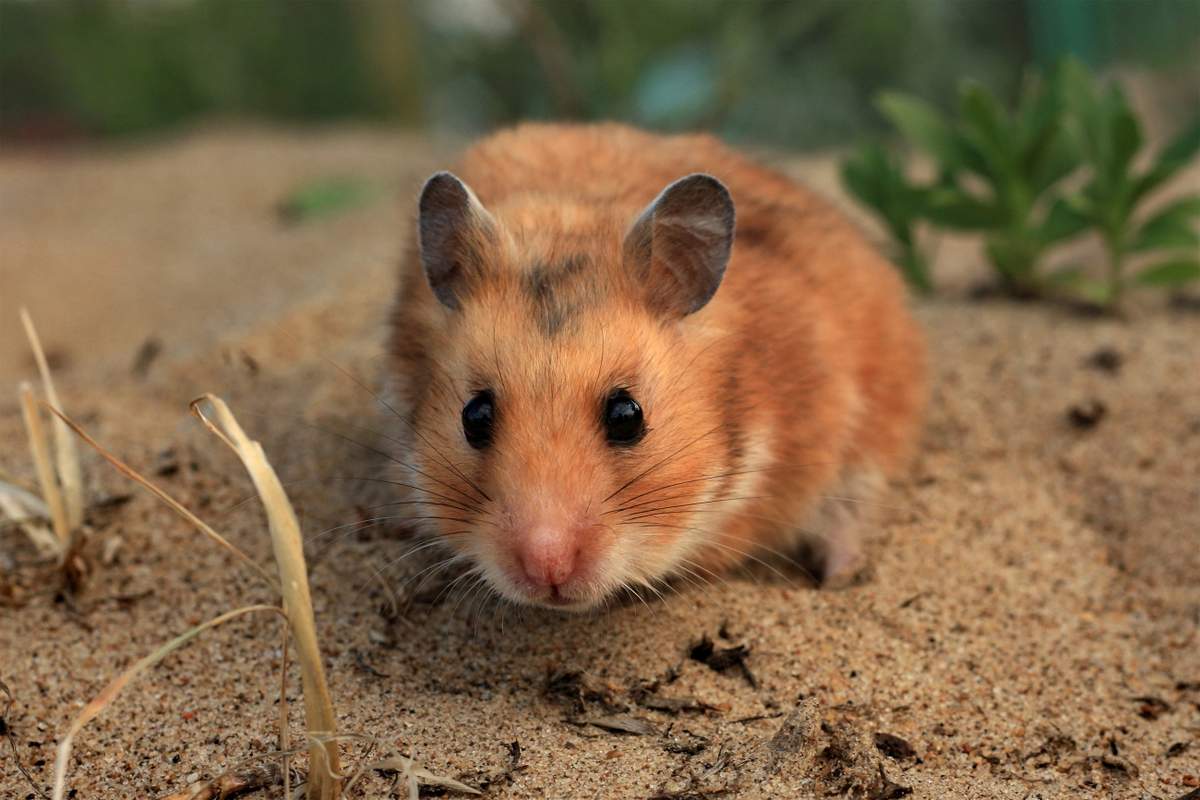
(325, 197)
(878, 180)
(994, 171)
(1107, 133)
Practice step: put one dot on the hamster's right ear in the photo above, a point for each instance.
(454, 230)
(679, 247)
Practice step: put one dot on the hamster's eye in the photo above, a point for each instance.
(623, 423)
(478, 416)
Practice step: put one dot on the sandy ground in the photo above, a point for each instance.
(1028, 628)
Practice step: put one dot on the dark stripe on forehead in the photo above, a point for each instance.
(557, 291)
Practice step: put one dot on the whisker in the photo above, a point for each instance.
(411, 427)
(630, 503)
(720, 476)
(392, 562)
(690, 575)
(480, 583)
(462, 508)
(299, 481)
(629, 588)
(651, 587)
(697, 504)
(472, 574)
(440, 539)
(779, 521)
(362, 524)
(382, 453)
(475, 612)
(713, 539)
(661, 462)
(428, 571)
(689, 562)
(433, 542)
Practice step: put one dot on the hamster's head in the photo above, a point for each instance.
(563, 440)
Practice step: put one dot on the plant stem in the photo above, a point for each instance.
(916, 270)
(1115, 243)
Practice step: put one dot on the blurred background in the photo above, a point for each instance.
(174, 173)
(787, 73)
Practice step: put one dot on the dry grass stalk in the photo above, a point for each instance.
(416, 775)
(283, 711)
(170, 502)
(39, 449)
(66, 454)
(233, 783)
(27, 511)
(413, 774)
(106, 697)
(324, 762)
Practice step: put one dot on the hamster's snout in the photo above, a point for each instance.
(552, 564)
(553, 560)
(549, 556)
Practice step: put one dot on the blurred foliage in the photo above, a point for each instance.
(112, 68)
(797, 74)
(1057, 164)
(878, 179)
(1108, 135)
(995, 168)
(325, 197)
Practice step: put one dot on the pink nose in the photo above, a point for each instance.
(548, 556)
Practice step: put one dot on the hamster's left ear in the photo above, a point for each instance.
(455, 231)
(679, 246)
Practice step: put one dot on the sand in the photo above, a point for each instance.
(1028, 627)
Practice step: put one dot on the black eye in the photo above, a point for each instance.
(477, 418)
(623, 423)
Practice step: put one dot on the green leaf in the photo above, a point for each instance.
(1039, 110)
(987, 125)
(1077, 284)
(1058, 158)
(1047, 152)
(1170, 273)
(1085, 120)
(916, 271)
(1073, 82)
(1173, 157)
(956, 209)
(861, 175)
(1170, 227)
(1014, 257)
(879, 182)
(1063, 221)
(1065, 276)
(1125, 138)
(922, 125)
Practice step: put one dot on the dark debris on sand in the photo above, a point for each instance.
(720, 659)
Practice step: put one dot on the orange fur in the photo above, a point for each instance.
(803, 372)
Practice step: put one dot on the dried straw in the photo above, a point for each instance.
(110, 692)
(39, 449)
(66, 454)
(170, 502)
(320, 722)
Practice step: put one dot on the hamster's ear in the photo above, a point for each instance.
(679, 247)
(454, 230)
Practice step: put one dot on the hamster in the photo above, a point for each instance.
(603, 381)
